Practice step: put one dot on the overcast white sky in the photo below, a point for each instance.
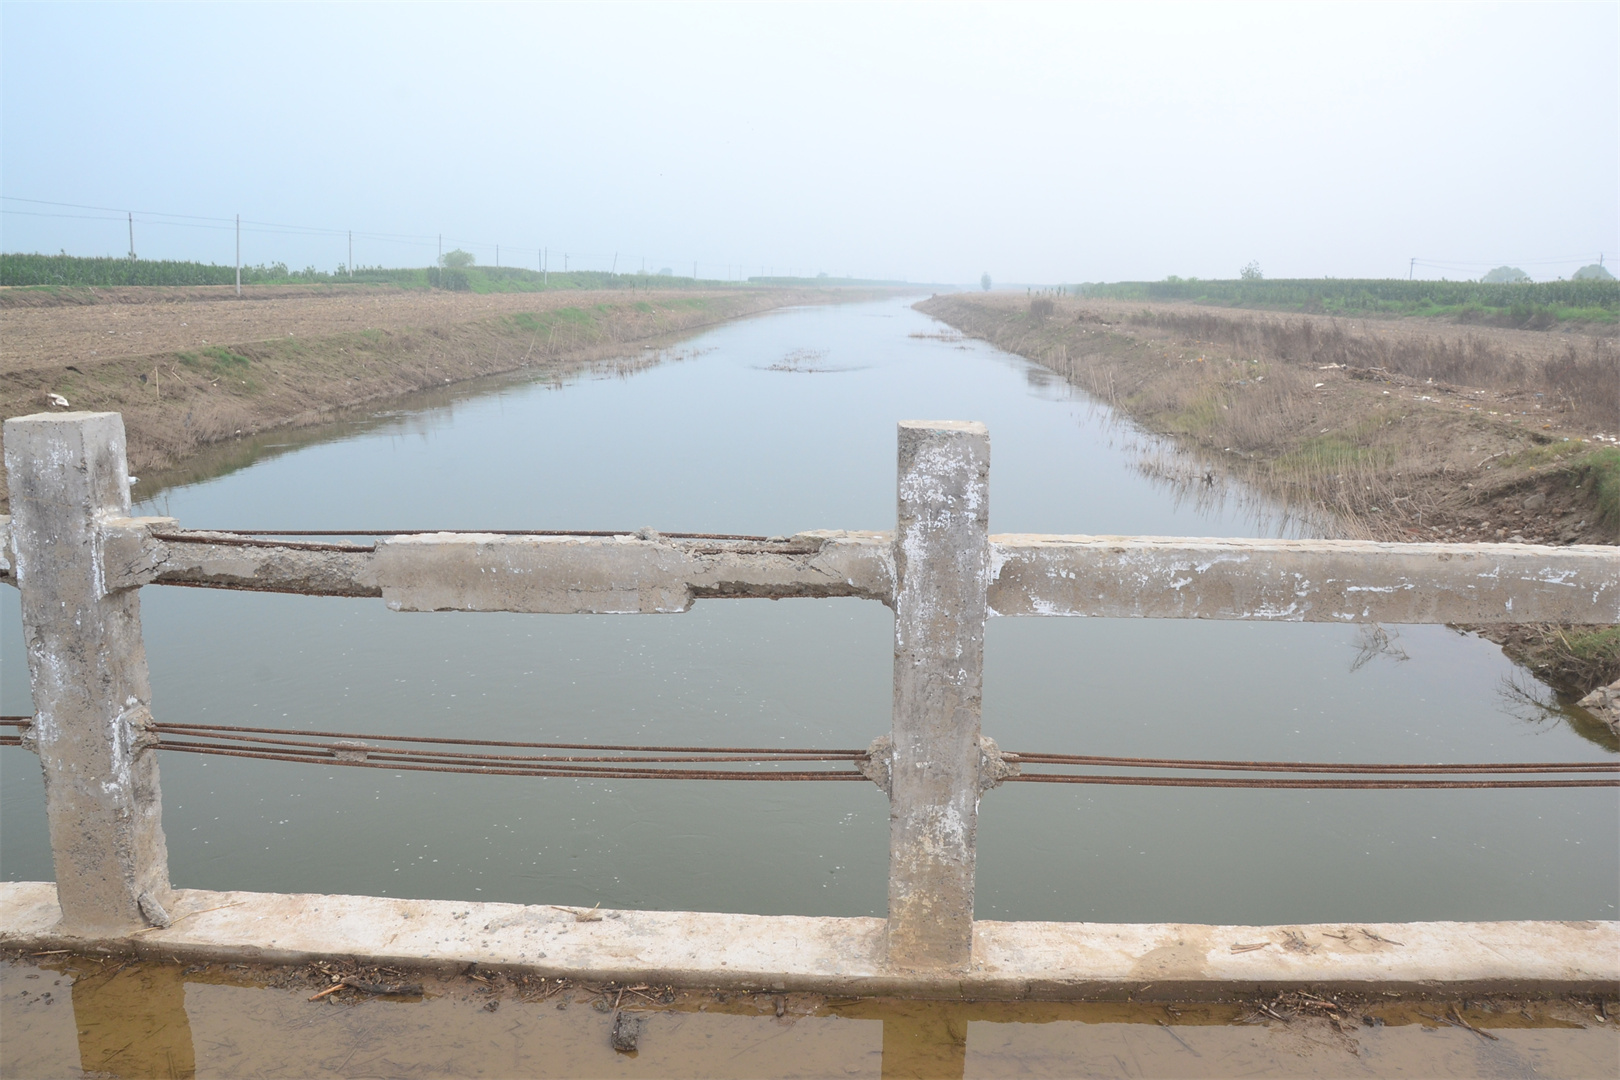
(931, 142)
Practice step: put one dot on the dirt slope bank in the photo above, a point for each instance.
(1399, 429)
(189, 370)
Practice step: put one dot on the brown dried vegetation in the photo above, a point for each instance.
(1397, 429)
(1402, 431)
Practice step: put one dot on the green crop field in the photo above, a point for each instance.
(1532, 304)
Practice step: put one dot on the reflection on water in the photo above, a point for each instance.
(720, 442)
(415, 415)
(113, 1019)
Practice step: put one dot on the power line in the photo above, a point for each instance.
(238, 225)
(110, 209)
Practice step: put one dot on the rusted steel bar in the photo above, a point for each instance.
(375, 744)
(1313, 766)
(496, 532)
(1329, 785)
(208, 729)
(376, 748)
(248, 540)
(565, 772)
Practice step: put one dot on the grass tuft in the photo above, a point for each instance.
(1601, 469)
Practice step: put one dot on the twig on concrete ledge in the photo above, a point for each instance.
(188, 915)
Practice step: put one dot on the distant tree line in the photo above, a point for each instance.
(73, 271)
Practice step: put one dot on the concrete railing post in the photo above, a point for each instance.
(87, 665)
(942, 567)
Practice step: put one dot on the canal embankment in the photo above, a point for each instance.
(1398, 429)
(191, 368)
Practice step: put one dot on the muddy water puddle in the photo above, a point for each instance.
(72, 1016)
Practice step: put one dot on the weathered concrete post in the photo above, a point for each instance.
(87, 666)
(942, 566)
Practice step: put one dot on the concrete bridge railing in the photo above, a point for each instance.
(80, 561)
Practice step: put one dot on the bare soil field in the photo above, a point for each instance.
(1399, 429)
(47, 330)
(193, 367)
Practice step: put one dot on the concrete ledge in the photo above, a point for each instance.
(1040, 960)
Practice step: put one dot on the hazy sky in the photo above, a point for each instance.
(931, 142)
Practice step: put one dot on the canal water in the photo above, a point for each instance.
(771, 425)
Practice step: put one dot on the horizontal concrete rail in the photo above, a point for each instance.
(1088, 576)
(1009, 960)
(1100, 577)
(633, 573)
(1155, 577)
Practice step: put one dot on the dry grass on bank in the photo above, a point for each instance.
(1359, 421)
(1578, 377)
(1399, 430)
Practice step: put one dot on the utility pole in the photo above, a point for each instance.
(440, 260)
(351, 253)
(615, 269)
(1410, 269)
(565, 262)
(238, 254)
(497, 256)
(545, 262)
(694, 270)
(132, 234)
